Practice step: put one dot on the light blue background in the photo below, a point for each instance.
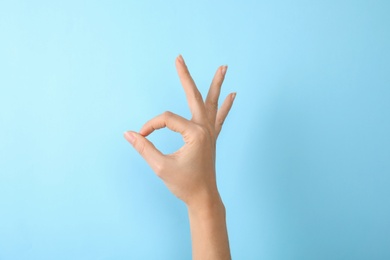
(303, 159)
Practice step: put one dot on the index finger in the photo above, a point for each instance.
(168, 119)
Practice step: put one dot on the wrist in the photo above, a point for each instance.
(208, 229)
(207, 205)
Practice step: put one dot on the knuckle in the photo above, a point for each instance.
(159, 169)
(212, 106)
(140, 147)
(167, 115)
(197, 96)
(201, 133)
(219, 121)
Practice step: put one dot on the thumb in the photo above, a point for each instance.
(145, 148)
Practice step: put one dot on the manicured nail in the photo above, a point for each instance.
(180, 59)
(234, 96)
(223, 70)
(130, 137)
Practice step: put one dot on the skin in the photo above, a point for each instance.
(189, 173)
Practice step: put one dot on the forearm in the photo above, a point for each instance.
(208, 230)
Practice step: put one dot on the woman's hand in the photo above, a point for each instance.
(189, 172)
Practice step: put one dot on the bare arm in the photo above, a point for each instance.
(189, 173)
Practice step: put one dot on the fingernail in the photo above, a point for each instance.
(180, 59)
(234, 96)
(224, 69)
(130, 137)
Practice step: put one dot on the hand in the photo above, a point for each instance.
(189, 173)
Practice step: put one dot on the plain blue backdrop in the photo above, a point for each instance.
(303, 160)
